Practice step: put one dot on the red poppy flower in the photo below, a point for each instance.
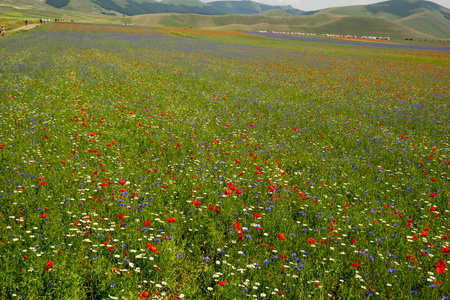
(222, 283)
(280, 236)
(440, 267)
(237, 226)
(256, 216)
(148, 223)
(120, 216)
(311, 241)
(355, 264)
(122, 182)
(151, 247)
(432, 195)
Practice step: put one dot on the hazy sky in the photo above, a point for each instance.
(319, 4)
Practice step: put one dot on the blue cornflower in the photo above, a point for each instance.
(392, 271)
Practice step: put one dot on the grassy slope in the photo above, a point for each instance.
(34, 12)
(321, 23)
(276, 13)
(422, 16)
(83, 5)
(11, 24)
(185, 2)
(433, 24)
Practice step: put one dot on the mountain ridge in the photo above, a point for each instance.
(421, 15)
(138, 7)
(419, 19)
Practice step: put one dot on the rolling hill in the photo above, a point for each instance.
(138, 7)
(319, 24)
(424, 16)
(397, 19)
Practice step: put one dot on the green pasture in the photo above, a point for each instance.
(140, 163)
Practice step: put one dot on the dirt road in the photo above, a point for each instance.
(30, 26)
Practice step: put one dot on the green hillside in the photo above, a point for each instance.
(276, 13)
(138, 7)
(248, 7)
(319, 24)
(29, 9)
(424, 16)
(185, 2)
(397, 19)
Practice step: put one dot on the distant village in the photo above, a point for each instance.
(331, 35)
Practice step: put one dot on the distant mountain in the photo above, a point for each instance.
(139, 7)
(250, 7)
(424, 16)
(397, 19)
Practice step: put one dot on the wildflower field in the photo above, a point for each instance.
(143, 164)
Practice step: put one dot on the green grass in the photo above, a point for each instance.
(11, 24)
(137, 163)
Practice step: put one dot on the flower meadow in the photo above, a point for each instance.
(141, 164)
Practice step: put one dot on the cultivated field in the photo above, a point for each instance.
(157, 164)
